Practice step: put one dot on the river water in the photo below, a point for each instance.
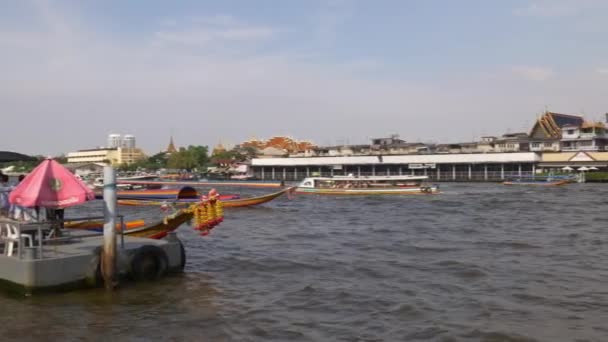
(479, 262)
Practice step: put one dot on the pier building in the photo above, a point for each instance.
(439, 167)
(555, 141)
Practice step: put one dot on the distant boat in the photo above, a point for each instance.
(124, 182)
(541, 180)
(367, 185)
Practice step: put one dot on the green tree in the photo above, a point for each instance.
(193, 157)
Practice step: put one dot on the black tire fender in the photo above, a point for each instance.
(182, 253)
(149, 263)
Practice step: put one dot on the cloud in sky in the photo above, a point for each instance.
(67, 82)
(219, 29)
(533, 73)
(559, 8)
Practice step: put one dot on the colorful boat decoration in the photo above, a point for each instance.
(206, 215)
(367, 185)
(228, 202)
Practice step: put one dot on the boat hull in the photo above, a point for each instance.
(137, 228)
(228, 203)
(537, 183)
(371, 191)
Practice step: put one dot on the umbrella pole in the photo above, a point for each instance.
(108, 260)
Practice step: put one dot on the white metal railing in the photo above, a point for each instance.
(443, 175)
(582, 148)
(42, 228)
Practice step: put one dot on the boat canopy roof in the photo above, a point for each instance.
(370, 178)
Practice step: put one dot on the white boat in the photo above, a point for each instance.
(367, 185)
(98, 184)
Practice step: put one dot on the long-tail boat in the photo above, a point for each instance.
(541, 181)
(228, 203)
(367, 185)
(186, 192)
(205, 215)
(159, 229)
(138, 228)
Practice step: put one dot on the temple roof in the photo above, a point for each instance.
(171, 148)
(549, 125)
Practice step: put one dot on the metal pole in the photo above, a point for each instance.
(453, 172)
(108, 258)
(519, 170)
(470, 171)
(502, 171)
(122, 232)
(485, 172)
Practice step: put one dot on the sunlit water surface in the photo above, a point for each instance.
(479, 262)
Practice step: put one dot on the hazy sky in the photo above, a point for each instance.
(329, 71)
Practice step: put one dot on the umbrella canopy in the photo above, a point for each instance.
(583, 168)
(50, 185)
(593, 168)
(567, 168)
(6, 156)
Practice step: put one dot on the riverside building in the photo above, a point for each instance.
(552, 144)
(120, 151)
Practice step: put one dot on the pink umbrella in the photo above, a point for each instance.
(50, 185)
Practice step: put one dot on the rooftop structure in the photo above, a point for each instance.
(287, 144)
(547, 131)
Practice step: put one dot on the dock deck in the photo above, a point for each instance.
(73, 261)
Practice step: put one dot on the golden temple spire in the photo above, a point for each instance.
(171, 148)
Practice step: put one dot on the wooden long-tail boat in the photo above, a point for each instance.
(250, 184)
(158, 194)
(204, 215)
(159, 229)
(541, 181)
(138, 228)
(228, 203)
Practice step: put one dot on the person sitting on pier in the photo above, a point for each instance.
(5, 189)
(20, 213)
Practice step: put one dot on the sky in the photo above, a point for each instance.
(329, 71)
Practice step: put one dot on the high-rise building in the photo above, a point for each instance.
(128, 141)
(114, 141)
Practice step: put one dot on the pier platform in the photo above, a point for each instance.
(73, 261)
